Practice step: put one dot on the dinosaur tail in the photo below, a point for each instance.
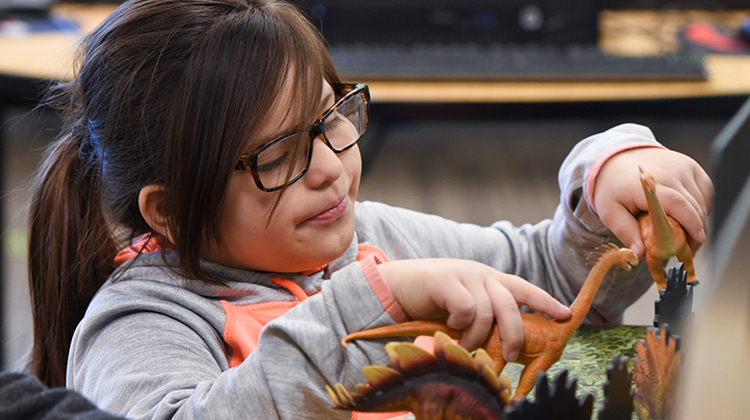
(404, 329)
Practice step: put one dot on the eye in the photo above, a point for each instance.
(334, 120)
(282, 154)
(269, 163)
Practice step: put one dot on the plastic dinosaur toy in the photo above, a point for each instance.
(663, 236)
(545, 339)
(446, 384)
(655, 374)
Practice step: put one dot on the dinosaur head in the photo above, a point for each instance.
(627, 259)
(648, 182)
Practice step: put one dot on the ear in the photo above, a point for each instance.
(151, 203)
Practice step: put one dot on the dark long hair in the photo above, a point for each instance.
(166, 92)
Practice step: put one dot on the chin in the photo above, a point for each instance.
(335, 248)
(325, 248)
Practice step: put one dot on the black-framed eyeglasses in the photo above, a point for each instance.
(284, 160)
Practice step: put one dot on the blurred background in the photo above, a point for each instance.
(477, 146)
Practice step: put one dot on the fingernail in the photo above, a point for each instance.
(511, 356)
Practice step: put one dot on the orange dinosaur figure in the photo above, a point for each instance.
(663, 236)
(545, 339)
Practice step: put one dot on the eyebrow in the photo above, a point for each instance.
(328, 98)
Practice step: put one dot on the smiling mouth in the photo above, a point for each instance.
(333, 212)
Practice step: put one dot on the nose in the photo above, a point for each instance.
(325, 165)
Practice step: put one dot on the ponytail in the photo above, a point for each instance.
(71, 252)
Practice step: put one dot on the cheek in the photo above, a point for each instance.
(245, 213)
(352, 161)
(245, 203)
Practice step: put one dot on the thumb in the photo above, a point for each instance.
(626, 228)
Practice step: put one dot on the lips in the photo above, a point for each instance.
(332, 211)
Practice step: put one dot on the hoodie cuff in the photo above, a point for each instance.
(381, 289)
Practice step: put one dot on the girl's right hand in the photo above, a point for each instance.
(471, 295)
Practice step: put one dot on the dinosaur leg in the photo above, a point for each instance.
(499, 365)
(685, 256)
(528, 376)
(656, 267)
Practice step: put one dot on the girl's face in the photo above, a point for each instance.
(314, 221)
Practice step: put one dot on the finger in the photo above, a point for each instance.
(534, 297)
(509, 322)
(625, 227)
(459, 303)
(698, 194)
(701, 212)
(693, 244)
(678, 206)
(706, 187)
(692, 195)
(694, 182)
(476, 333)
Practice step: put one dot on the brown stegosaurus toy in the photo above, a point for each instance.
(447, 384)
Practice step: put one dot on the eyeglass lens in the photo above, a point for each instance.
(284, 161)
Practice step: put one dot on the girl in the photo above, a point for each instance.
(201, 212)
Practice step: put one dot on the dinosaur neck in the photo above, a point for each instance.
(661, 227)
(581, 305)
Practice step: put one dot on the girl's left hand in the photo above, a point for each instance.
(683, 188)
